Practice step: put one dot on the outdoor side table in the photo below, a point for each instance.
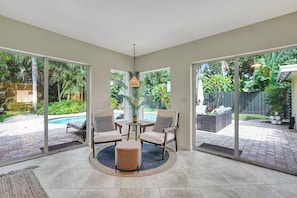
(134, 128)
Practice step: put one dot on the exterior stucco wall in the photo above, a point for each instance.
(294, 96)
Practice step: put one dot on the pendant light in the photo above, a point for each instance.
(134, 82)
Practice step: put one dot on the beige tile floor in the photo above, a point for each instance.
(195, 174)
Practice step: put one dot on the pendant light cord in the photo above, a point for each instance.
(134, 59)
(133, 81)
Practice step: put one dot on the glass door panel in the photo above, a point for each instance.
(157, 93)
(214, 103)
(265, 134)
(21, 96)
(118, 89)
(67, 104)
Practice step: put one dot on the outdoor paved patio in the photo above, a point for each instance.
(23, 136)
(259, 141)
(19, 146)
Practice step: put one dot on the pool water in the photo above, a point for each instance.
(65, 120)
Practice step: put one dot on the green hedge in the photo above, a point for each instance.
(63, 107)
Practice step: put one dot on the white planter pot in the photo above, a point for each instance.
(273, 122)
(279, 122)
(271, 117)
(277, 117)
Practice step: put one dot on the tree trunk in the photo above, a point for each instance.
(34, 82)
(59, 92)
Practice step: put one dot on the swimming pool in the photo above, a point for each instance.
(65, 120)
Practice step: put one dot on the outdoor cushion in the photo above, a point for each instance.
(104, 123)
(161, 123)
(201, 109)
(220, 110)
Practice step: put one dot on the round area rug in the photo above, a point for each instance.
(152, 162)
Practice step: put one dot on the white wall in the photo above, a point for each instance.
(19, 36)
(265, 35)
(294, 95)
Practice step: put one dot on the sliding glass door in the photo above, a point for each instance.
(260, 93)
(38, 98)
(21, 95)
(214, 106)
(66, 104)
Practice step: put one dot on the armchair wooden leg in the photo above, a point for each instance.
(93, 147)
(175, 145)
(163, 153)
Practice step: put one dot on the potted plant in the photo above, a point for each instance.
(276, 97)
(134, 101)
(271, 115)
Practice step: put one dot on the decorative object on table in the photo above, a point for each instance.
(21, 183)
(104, 128)
(164, 130)
(151, 162)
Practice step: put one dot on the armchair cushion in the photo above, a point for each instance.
(161, 123)
(156, 137)
(107, 137)
(104, 123)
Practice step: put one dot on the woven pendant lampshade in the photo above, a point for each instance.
(133, 81)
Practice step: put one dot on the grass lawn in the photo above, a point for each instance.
(150, 110)
(250, 116)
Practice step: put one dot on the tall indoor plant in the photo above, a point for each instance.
(134, 100)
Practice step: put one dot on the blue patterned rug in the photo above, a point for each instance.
(151, 157)
(152, 162)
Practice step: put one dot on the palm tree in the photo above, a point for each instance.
(34, 82)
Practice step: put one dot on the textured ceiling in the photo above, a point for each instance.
(152, 25)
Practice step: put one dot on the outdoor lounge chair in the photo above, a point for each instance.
(80, 126)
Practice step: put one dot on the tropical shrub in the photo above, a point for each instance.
(19, 107)
(215, 85)
(276, 96)
(63, 107)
